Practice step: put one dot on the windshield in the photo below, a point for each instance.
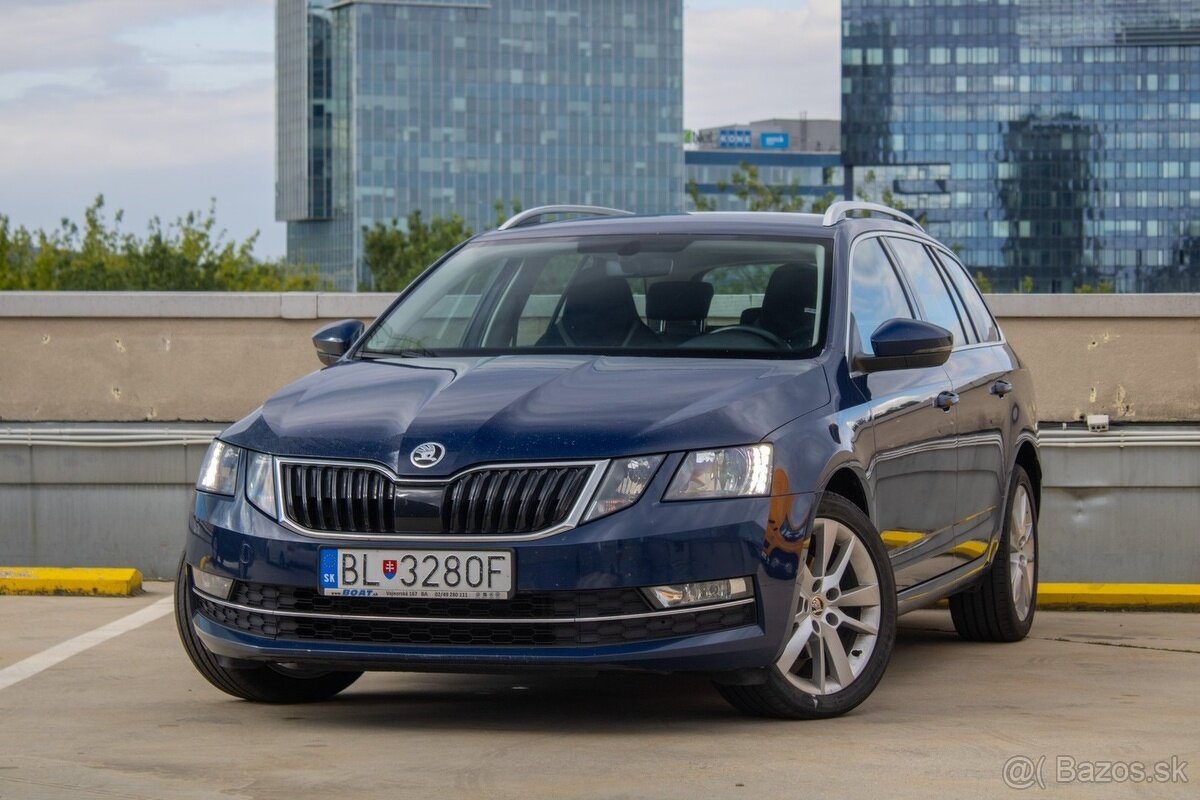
(682, 296)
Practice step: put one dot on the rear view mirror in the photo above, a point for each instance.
(646, 266)
(335, 339)
(906, 344)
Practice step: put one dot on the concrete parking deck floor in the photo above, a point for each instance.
(130, 718)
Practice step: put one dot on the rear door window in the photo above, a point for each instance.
(927, 284)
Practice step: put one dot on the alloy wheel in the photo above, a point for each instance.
(836, 623)
(1021, 552)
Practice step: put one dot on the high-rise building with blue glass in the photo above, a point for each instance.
(1053, 142)
(447, 106)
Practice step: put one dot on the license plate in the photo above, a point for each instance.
(469, 574)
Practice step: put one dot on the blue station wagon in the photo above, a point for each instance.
(736, 444)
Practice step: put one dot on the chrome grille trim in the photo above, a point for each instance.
(597, 470)
(500, 501)
(472, 620)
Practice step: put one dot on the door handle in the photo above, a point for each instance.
(946, 400)
(1001, 387)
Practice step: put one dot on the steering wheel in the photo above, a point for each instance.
(765, 335)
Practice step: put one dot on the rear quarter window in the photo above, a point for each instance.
(977, 310)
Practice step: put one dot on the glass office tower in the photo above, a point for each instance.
(388, 106)
(1055, 143)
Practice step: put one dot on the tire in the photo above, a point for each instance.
(1000, 607)
(841, 636)
(261, 683)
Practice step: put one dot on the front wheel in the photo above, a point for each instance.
(843, 623)
(1000, 608)
(262, 683)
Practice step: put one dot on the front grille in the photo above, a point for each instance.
(528, 618)
(330, 498)
(511, 500)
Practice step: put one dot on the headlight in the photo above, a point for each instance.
(218, 471)
(623, 484)
(729, 472)
(260, 483)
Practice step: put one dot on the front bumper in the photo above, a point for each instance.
(576, 601)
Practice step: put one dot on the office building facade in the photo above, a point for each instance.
(1056, 144)
(390, 106)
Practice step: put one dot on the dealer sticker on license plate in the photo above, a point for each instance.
(469, 574)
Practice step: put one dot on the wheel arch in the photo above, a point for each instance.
(1027, 458)
(846, 482)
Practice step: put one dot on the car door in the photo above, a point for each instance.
(973, 371)
(912, 473)
(981, 373)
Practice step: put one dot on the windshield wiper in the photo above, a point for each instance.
(402, 347)
(408, 352)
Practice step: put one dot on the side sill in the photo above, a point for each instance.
(926, 594)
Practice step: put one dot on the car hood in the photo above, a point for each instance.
(519, 408)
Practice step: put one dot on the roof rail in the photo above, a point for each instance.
(841, 209)
(534, 215)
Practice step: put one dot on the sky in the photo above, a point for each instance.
(164, 106)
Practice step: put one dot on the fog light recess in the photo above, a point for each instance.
(682, 595)
(211, 584)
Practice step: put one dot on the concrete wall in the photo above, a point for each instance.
(98, 495)
(77, 489)
(200, 357)
(1133, 357)
(1121, 506)
(1117, 506)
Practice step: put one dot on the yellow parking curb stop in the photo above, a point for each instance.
(119, 582)
(1119, 595)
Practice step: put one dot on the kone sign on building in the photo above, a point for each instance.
(735, 138)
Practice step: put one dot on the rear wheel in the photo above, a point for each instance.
(843, 623)
(263, 683)
(1000, 608)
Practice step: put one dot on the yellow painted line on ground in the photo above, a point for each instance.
(1119, 595)
(120, 582)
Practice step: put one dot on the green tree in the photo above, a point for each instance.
(871, 191)
(822, 203)
(1105, 286)
(190, 254)
(502, 215)
(747, 185)
(396, 255)
(699, 201)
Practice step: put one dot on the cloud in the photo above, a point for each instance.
(761, 61)
(158, 105)
(81, 133)
(60, 34)
(163, 104)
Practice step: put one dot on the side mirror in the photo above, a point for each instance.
(335, 339)
(906, 344)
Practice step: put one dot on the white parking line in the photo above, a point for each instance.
(61, 652)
